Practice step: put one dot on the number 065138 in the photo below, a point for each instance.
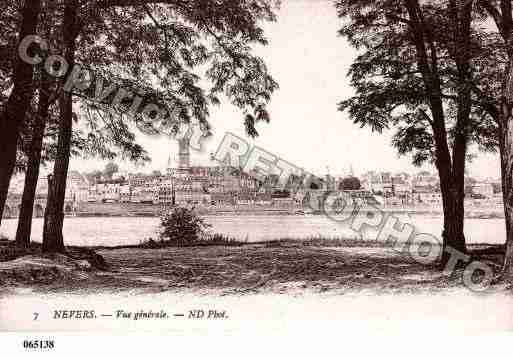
(39, 344)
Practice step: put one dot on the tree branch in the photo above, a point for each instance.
(494, 13)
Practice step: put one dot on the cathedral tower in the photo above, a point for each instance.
(184, 156)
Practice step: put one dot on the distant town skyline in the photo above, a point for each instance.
(304, 108)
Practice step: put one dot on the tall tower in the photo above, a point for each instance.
(169, 169)
(184, 156)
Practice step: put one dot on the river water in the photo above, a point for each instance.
(113, 231)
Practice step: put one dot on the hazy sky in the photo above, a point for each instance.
(310, 63)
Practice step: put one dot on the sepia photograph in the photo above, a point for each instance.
(229, 167)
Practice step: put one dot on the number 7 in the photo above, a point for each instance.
(36, 315)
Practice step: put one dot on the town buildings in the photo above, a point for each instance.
(224, 185)
(220, 185)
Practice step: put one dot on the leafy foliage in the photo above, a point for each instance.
(350, 183)
(183, 56)
(182, 226)
(110, 169)
(390, 88)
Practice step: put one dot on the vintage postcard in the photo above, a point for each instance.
(200, 167)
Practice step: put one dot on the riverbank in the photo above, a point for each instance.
(152, 210)
(276, 267)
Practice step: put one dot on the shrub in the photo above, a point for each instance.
(218, 239)
(182, 226)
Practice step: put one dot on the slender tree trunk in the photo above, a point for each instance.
(506, 145)
(32, 174)
(17, 104)
(54, 218)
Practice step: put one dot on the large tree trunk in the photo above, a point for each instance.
(17, 104)
(453, 228)
(451, 174)
(460, 11)
(54, 216)
(506, 145)
(450, 168)
(32, 174)
(452, 190)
